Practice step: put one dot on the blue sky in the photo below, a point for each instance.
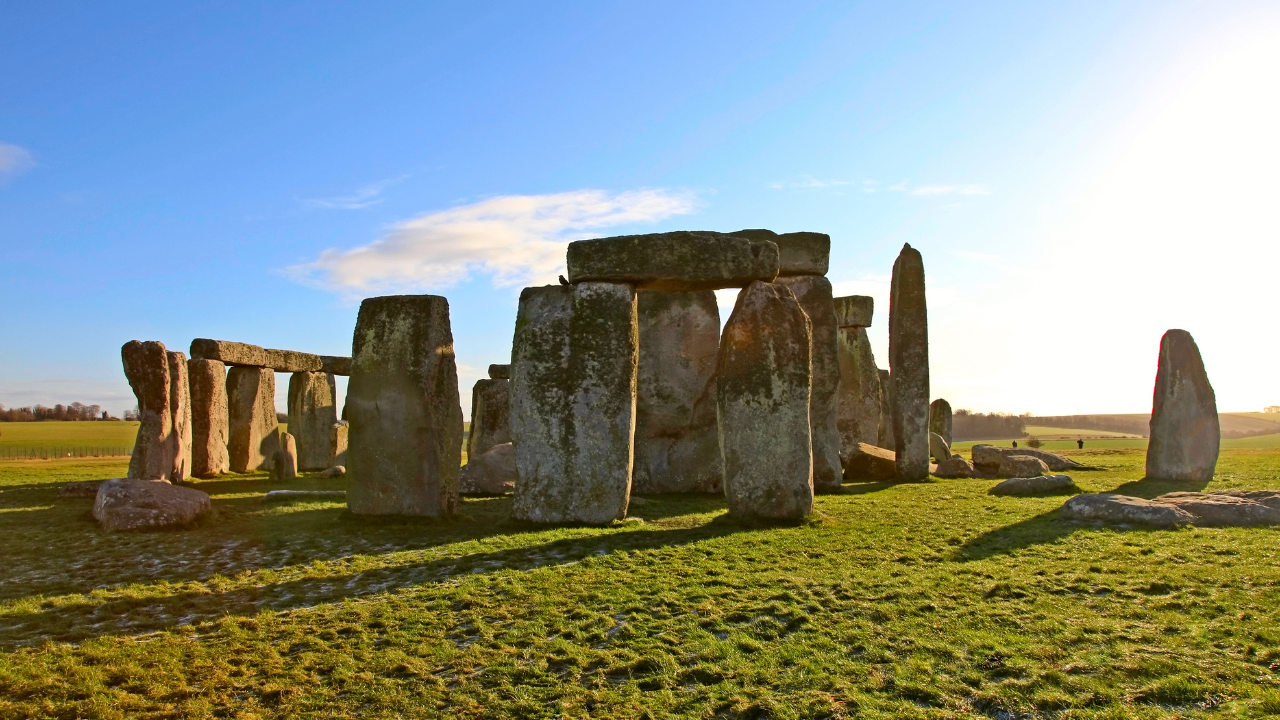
(1079, 177)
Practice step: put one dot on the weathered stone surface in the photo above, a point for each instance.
(207, 380)
(1038, 485)
(146, 365)
(254, 434)
(80, 489)
(814, 295)
(763, 376)
(1184, 414)
(869, 462)
(939, 448)
(854, 311)
(339, 439)
(500, 372)
(180, 408)
(909, 363)
(987, 458)
(284, 464)
(887, 439)
(492, 472)
(860, 404)
(1022, 466)
(1124, 509)
(335, 365)
(147, 505)
(335, 471)
(940, 419)
(683, 261)
(1270, 498)
(246, 355)
(406, 419)
(677, 448)
(954, 467)
(1224, 510)
(313, 410)
(490, 416)
(573, 385)
(313, 495)
(799, 253)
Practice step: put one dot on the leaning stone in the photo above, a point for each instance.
(573, 380)
(682, 261)
(335, 471)
(493, 472)
(208, 383)
(938, 447)
(677, 448)
(887, 439)
(860, 405)
(869, 462)
(940, 419)
(254, 433)
(490, 415)
(500, 372)
(312, 413)
(1184, 415)
(339, 443)
(286, 495)
(284, 464)
(1124, 509)
(954, 467)
(855, 311)
(180, 408)
(1221, 510)
(1022, 466)
(763, 376)
(80, 489)
(146, 365)
(799, 253)
(909, 362)
(1038, 485)
(148, 505)
(987, 458)
(406, 418)
(814, 296)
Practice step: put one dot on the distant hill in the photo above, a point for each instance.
(1234, 425)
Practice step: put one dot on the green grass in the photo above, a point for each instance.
(928, 600)
(64, 434)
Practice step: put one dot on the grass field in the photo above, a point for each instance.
(64, 434)
(928, 600)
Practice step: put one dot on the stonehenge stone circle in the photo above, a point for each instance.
(406, 419)
(854, 311)
(763, 378)
(313, 410)
(677, 448)
(683, 261)
(987, 458)
(500, 372)
(1022, 466)
(208, 384)
(284, 464)
(254, 433)
(814, 295)
(180, 409)
(339, 444)
(799, 253)
(490, 416)
(859, 406)
(1184, 415)
(938, 447)
(886, 410)
(146, 365)
(954, 467)
(1037, 485)
(573, 385)
(940, 419)
(492, 472)
(127, 504)
(246, 355)
(869, 462)
(909, 365)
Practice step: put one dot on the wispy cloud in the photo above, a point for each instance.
(517, 239)
(807, 182)
(949, 190)
(360, 199)
(14, 160)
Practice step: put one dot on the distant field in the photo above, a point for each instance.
(68, 434)
(1046, 433)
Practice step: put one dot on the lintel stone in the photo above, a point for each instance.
(799, 253)
(683, 261)
(246, 355)
(854, 311)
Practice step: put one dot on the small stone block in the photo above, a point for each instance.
(500, 372)
(855, 310)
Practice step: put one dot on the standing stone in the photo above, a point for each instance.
(406, 418)
(254, 433)
(284, 464)
(1184, 414)
(886, 410)
(814, 295)
(938, 447)
(207, 380)
(677, 446)
(180, 408)
(573, 401)
(490, 416)
(146, 365)
(940, 419)
(763, 377)
(312, 413)
(859, 400)
(909, 364)
(339, 444)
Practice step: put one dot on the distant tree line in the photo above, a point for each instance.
(1271, 409)
(967, 425)
(74, 411)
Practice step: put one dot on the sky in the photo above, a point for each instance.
(1079, 177)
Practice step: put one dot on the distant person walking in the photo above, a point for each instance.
(1080, 443)
(1015, 443)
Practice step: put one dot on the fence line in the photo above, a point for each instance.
(51, 453)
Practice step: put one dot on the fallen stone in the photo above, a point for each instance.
(909, 363)
(254, 433)
(339, 433)
(246, 355)
(940, 419)
(573, 380)
(677, 448)
(80, 489)
(146, 366)
(207, 380)
(1038, 485)
(799, 253)
(335, 471)
(490, 415)
(887, 439)
(938, 447)
(1270, 498)
(684, 261)
(284, 464)
(313, 410)
(1223, 510)
(406, 419)
(854, 311)
(869, 462)
(987, 458)
(492, 472)
(500, 372)
(180, 409)
(814, 295)
(1124, 509)
(859, 407)
(123, 504)
(763, 379)
(1022, 466)
(1185, 434)
(285, 495)
(954, 467)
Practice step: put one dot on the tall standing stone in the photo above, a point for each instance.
(859, 399)
(763, 377)
(180, 408)
(886, 410)
(339, 438)
(940, 419)
(677, 447)
(814, 295)
(146, 365)
(1185, 434)
(490, 415)
(208, 382)
(406, 418)
(254, 435)
(909, 364)
(573, 401)
(313, 411)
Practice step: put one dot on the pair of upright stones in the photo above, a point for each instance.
(620, 379)
(163, 449)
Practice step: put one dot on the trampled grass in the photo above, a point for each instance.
(928, 600)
